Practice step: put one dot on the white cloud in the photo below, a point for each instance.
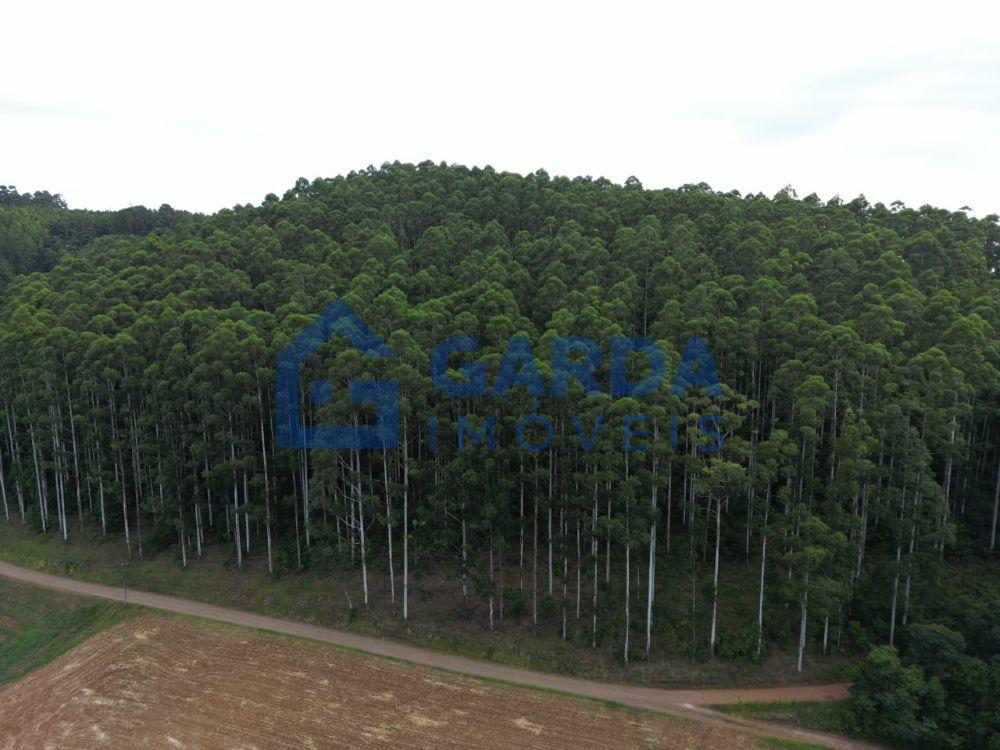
(206, 105)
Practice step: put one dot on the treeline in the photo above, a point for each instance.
(36, 229)
(9, 196)
(856, 345)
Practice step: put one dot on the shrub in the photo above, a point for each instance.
(515, 601)
(547, 607)
(738, 644)
(894, 703)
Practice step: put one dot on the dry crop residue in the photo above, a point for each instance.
(168, 682)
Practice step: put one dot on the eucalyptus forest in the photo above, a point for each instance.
(859, 416)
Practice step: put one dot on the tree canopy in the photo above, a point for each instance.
(859, 415)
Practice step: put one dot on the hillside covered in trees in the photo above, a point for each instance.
(856, 344)
(38, 228)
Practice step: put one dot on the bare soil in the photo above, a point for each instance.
(157, 681)
(247, 667)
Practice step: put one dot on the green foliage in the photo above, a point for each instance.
(826, 716)
(515, 601)
(779, 744)
(857, 345)
(37, 625)
(895, 703)
(934, 647)
(739, 644)
(936, 697)
(857, 637)
(36, 229)
(547, 607)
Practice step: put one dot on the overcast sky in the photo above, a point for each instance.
(206, 105)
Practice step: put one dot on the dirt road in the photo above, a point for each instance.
(690, 703)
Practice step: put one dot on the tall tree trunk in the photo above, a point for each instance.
(16, 458)
(43, 510)
(996, 507)
(803, 620)
(306, 522)
(651, 572)
(520, 553)
(236, 508)
(406, 526)
(137, 488)
(295, 515)
(3, 491)
(763, 567)
(715, 575)
(465, 558)
(946, 510)
(534, 553)
(120, 468)
(180, 533)
(361, 527)
(549, 515)
(594, 551)
(267, 491)
(628, 562)
(246, 512)
(388, 523)
(899, 556)
(909, 562)
(579, 569)
(565, 572)
(76, 459)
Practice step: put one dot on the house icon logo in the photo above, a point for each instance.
(382, 394)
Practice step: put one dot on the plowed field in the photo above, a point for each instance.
(161, 681)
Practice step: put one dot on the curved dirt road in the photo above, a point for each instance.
(689, 703)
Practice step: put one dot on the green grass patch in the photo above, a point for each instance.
(827, 716)
(834, 717)
(37, 625)
(777, 744)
